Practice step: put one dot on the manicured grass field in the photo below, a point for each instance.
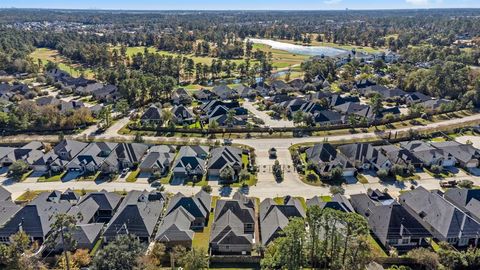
(45, 55)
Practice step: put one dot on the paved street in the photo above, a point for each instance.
(266, 186)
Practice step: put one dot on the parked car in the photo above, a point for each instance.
(156, 184)
(448, 183)
(272, 153)
(125, 172)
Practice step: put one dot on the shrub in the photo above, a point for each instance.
(207, 188)
(311, 177)
(337, 190)
(436, 169)
(465, 184)
(382, 173)
(336, 173)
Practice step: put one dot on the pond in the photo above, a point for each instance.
(299, 49)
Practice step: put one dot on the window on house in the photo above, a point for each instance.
(452, 240)
(405, 241)
(392, 241)
(463, 241)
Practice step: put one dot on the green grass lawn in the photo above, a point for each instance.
(97, 245)
(326, 198)
(362, 179)
(434, 245)
(443, 174)
(53, 178)
(377, 250)
(303, 202)
(166, 180)
(25, 175)
(278, 200)
(29, 195)
(89, 177)
(202, 239)
(132, 177)
(45, 55)
(201, 183)
(413, 177)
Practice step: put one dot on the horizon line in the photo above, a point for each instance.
(192, 10)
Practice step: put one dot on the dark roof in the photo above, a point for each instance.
(175, 227)
(229, 223)
(126, 152)
(225, 156)
(69, 146)
(442, 216)
(468, 200)
(338, 202)
(37, 216)
(8, 209)
(137, 214)
(152, 113)
(388, 219)
(105, 200)
(274, 218)
(198, 205)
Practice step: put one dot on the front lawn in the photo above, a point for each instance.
(132, 177)
(362, 179)
(52, 178)
(88, 176)
(29, 195)
(443, 174)
(25, 176)
(412, 177)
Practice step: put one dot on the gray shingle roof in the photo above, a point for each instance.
(84, 210)
(387, 218)
(105, 200)
(197, 205)
(137, 214)
(176, 226)
(274, 218)
(71, 148)
(338, 202)
(131, 153)
(230, 219)
(467, 200)
(37, 216)
(4, 194)
(442, 216)
(225, 156)
(7, 210)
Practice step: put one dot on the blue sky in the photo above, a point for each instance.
(239, 4)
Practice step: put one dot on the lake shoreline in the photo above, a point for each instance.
(300, 49)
